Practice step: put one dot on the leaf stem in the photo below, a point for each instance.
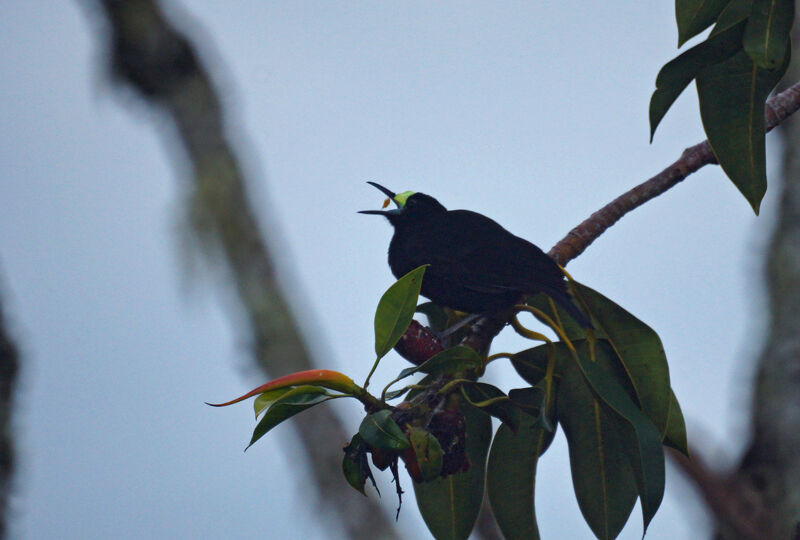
(498, 356)
(548, 321)
(526, 332)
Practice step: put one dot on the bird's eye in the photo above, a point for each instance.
(410, 203)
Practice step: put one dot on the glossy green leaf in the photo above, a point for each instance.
(604, 353)
(602, 477)
(766, 37)
(441, 318)
(530, 400)
(322, 378)
(549, 419)
(451, 505)
(396, 309)
(641, 443)
(544, 303)
(407, 372)
(676, 75)
(452, 360)
(420, 387)
(511, 469)
(355, 465)
(694, 16)
(734, 13)
(676, 428)
(542, 416)
(732, 96)
(294, 401)
(635, 432)
(640, 353)
(511, 477)
(531, 364)
(437, 316)
(494, 401)
(267, 398)
(428, 452)
(392, 394)
(380, 431)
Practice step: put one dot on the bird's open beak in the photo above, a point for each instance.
(389, 193)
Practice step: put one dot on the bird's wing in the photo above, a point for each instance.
(483, 256)
(464, 273)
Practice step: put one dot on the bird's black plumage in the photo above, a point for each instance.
(476, 265)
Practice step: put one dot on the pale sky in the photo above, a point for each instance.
(534, 114)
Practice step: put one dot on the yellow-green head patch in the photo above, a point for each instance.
(401, 198)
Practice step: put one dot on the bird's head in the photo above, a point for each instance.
(410, 205)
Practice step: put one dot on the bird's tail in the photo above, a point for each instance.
(563, 298)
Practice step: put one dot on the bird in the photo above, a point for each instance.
(474, 264)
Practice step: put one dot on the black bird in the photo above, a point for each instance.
(476, 265)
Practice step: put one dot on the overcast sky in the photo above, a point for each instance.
(532, 113)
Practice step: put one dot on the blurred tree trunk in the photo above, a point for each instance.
(760, 499)
(160, 62)
(770, 469)
(9, 365)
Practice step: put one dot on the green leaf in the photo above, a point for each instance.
(511, 477)
(355, 465)
(396, 393)
(735, 12)
(294, 401)
(732, 95)
(511, 470)
(640, 352)
(530, 400)
(543, 302)
(766, 38)
(494, 401)
(549, 421)
(441, 318)
(602, 477)
(267, 398)
(380, 431)
(634, 432)
(452, 360)
(449, 361)
(396, 310)
(428, 452)
(694, 16)
(437, 316)
(676, 428)
(676, 75)
(419, 386)
(531, 364)
(451, 505)
(642, 444)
